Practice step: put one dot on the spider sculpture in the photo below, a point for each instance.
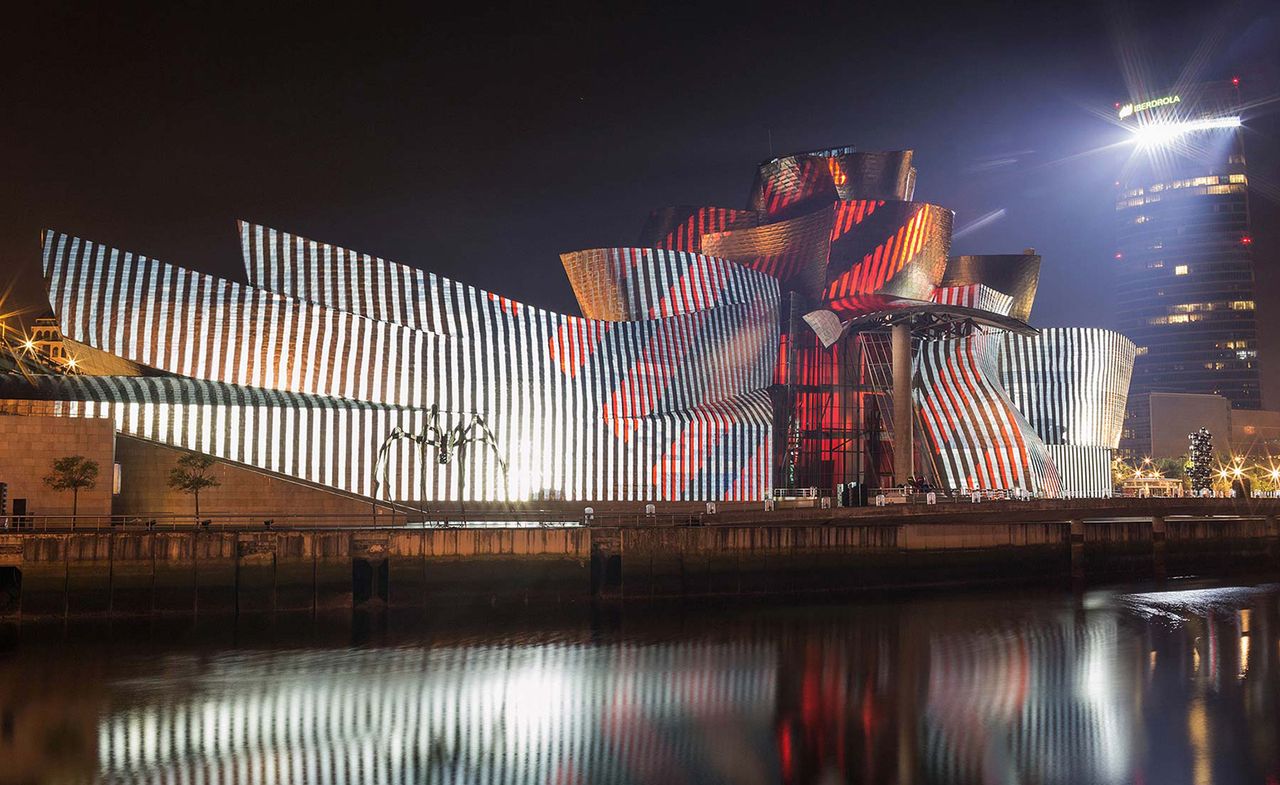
(443, 440)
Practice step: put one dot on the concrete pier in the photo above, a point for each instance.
(119, 571)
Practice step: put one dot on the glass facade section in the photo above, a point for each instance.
(1184, 266)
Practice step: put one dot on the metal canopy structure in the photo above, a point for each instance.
(933, 320)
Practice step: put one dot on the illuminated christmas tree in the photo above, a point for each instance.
(1201, 455)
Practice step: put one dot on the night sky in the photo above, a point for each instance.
(480, 145)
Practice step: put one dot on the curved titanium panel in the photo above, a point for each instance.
(974, 296)
(625, 284)
(886, 174)
(191, 324)
(1085, 471)
(1072, 383)
(681, 228)
(793, 185)
(889, 248)
(794, 251)
(580, 408)
(1017, 275)
(978, 436)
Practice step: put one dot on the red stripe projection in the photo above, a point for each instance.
(977, 433)
(682, 228)
(879, 266)
(850, 214)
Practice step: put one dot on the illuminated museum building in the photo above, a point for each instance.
(1184, 257)
(819, 337)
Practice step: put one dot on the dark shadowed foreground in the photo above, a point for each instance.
(1171, 686)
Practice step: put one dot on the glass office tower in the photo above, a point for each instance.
(1185, 276)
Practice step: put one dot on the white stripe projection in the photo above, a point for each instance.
(978, 436)
(661, 409)
(974, 296)
(1019, 697)
(1085, 471)
(1072, 384)
(554, 713)
(648, 283)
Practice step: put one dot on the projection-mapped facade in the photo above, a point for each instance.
(732, 353)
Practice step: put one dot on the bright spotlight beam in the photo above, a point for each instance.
(1157, 134)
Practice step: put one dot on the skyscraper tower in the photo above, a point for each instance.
(1185, 275)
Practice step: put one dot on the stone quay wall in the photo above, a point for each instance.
(137, 572)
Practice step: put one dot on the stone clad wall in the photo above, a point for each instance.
(145, 491)
(30, 445)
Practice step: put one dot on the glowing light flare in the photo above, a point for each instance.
(1158, 134)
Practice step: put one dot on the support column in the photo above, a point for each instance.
(1157, 546)
(1077, 549)
(903, 421)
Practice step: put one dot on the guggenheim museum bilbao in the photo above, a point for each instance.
(820, 338)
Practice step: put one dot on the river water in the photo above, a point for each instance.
(1180, 685)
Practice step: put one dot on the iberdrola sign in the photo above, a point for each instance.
(1167, 100)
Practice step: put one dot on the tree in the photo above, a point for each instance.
(71, 474)
(191, 475)
(1173, 468)
(1120, 471)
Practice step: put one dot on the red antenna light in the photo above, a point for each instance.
(1246, 240)
(1117, 104)
(1119, 255)
(1235, 80)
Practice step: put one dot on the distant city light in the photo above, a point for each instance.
(1246, 240)
(1162, 133)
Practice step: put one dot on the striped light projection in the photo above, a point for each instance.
(979, 438)
(896, 248)
(795, 251)
(669, 408)
(661, 392)
(795, 185)
(1017, 275)
(681, 228)
(620, 284)
(1072, 384)
(974, 296)
(484, 714)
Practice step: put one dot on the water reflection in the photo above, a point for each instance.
(1163, 687)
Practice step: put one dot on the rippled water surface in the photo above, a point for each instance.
(1176, 686)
